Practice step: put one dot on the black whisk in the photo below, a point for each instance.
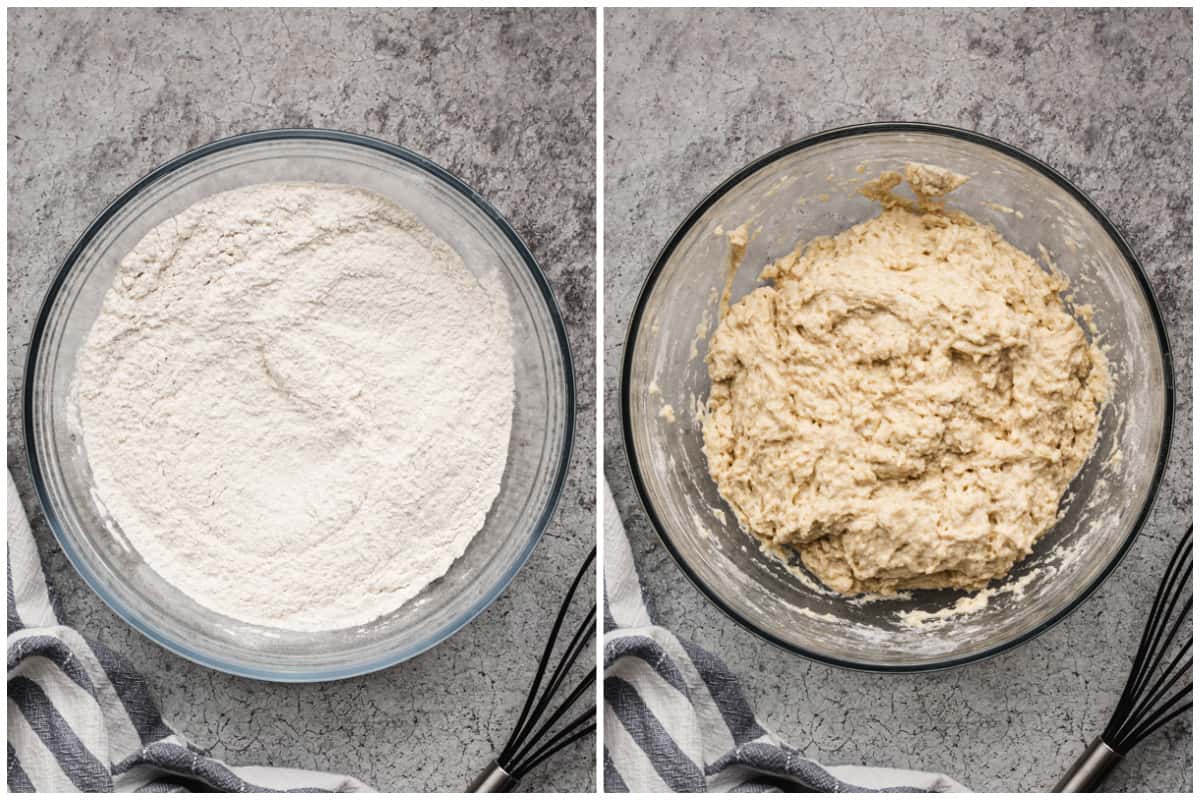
(531, 742)
(1159, 688)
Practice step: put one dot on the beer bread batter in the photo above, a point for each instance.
(906, 402)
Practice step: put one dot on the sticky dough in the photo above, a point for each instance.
(906, 402)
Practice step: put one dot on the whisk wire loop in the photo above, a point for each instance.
(1159, 685)
(558, 714)
(582, 636)
(519, 730)
(1169, 591)
(563, 740)
(531, 741)
(1155, 672)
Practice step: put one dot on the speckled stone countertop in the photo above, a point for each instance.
(1104, 97)
(505, 100)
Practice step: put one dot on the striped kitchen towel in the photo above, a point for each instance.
(675, 718)
(80, 718)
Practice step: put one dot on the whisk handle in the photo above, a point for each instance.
(1090, 768)
(492, 779)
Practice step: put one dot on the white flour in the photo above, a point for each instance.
(296, 403)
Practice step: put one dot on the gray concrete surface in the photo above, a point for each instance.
(1105, 97)
(505, 100)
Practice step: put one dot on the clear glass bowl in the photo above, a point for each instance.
(543, 419)
(808, 189)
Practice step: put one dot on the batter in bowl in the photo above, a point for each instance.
(906, 402)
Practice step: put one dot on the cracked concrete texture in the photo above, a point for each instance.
(505, 99)
(1104, 97)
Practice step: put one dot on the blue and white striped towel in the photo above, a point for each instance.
(675, 718)
(80, 718)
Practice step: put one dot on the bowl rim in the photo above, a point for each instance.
(447, 178)
(844, 132)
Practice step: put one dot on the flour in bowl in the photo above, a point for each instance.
(296, 403)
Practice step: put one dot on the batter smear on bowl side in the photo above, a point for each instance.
(905, 404)
(296, 403)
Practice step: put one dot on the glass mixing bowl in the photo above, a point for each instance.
(539, 449)
(808, 189)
